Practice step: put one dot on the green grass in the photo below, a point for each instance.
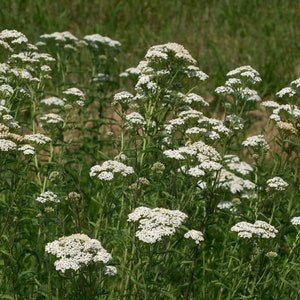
(221, 35)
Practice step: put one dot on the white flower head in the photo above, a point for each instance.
(37, 138)
(74, 95)
(76, 251)
(97, 41)
(256, 142)
(192, 98)
(195, 235)
(123, 97)
(287, 91)
(7, 145)
(156, 223)
(235, 184)
(296, 83)
(108, 170)
(194, 72)
(245, 72)
(110, 270)
(233, 162)
(134, 119)
(295, 221)
(259, 229)
(47, 196)
(27, 149)
(169, 50)
(60, 38)
(52, 118)
(277, 184)
(55, 101)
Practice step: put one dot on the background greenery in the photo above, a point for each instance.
(221, 35)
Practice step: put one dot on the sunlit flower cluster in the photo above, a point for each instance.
(232, 182)
(237, 82)
(37, 138)
(76, 251)
(156, 223)
(260, 229)
(295, 221)
(276, 184)
(97, 41)
(195, 235)
(108, 170)
(52, 118)
(48, 196)
(233, 163)
(256, 142)
(74, 95)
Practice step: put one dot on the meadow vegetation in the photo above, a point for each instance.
(149, 156)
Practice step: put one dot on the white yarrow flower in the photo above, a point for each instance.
(7, 145)
(259, 229)
(196, 235)
(52, 118)
(37, 138)
(27, 149)
(156, 223)
(48, 197)
(53, 101)
(76, 251)
(295, 221)
(109, 168)
(277, 184)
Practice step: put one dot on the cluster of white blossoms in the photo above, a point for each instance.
(7, 145)
(52, 118)
(37, 138)
(295, 221)
(74, 95)
(285, 116)
(192, 98)
(276, 184)
(233, 163)
(97, 41)
(167, 51)
(12, 39)
(235, 184)
(53, 101)
(260, 229)
(110, 270)
(135, 119)
(227, 205)
(195, 125)
(257, 143)
(195, 235)
(76, 251)
(164, 67)
(156, 223)
(22, 69)
(237, 83)
(108, 170)
(47, 197)
(60, 37)
(123, 97)
(27, 149)
(25, 65)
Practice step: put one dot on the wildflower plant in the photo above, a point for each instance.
(190, 200)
